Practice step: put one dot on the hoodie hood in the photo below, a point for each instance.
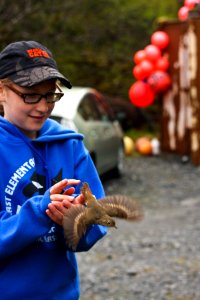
(51, 131)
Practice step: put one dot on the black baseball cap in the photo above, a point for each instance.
(27, 63)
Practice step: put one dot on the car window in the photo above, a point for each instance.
(88, 108)
(91, 108)
(105, 109)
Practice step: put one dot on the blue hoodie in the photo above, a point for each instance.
(35, 262)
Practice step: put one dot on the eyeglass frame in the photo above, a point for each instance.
(24, 95)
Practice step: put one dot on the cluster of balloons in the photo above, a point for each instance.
(184, 10)
(150, 71)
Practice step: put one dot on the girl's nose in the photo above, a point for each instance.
(42, 105)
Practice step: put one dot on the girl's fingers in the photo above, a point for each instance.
(69, 191)
(62, 207)
(58, 187)
(61, 197)
(54, 214)
(51, 216)
(79, 199)
(73, 181)
(67, 204)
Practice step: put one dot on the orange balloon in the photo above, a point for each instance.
(143, 146)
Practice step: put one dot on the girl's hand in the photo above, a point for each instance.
(62, 201)
(58, 188)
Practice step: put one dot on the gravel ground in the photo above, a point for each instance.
(158, 258)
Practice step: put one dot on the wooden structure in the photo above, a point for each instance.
(180, 113)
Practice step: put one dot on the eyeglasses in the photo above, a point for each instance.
(33, 98)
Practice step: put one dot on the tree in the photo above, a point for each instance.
(92, 41)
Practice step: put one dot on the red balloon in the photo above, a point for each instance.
(159, 81)
(183, 13)
(138, 73)
(143, 70)
(160, 39)
(147, 68)
(190, 4)
(141, 94)
(139, 56)
(162, 64)
(152, 52)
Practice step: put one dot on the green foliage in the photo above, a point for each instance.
(92, 41)
(136, 134)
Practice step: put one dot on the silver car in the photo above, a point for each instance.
(84, 110)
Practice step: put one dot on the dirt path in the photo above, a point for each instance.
(158, 258)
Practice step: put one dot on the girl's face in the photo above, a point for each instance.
(29, 118)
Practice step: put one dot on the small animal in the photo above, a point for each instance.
(102, 211)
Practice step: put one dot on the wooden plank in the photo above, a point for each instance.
(175, 103)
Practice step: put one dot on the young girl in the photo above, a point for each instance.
(39, 159)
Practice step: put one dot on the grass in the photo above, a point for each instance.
(135, 134)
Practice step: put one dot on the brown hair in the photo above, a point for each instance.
(4, 81)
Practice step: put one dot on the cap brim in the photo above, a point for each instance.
(31, 77)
